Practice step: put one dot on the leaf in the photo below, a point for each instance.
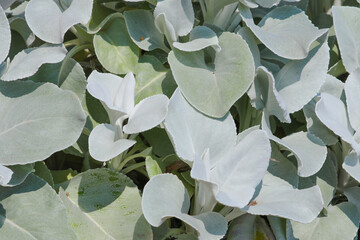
(20, 173)
(278, 31)
(42, 215)
(343, 219)
(282, 167)
(5, 37)
(192, 132)
(50, 23)
(116, 93)
(152, 167)
(316, 127)
(148, 113)
(104, 145)
(38, 119)
(152, 78)
(311, 71)
(179, 13)
(103, 204)
(41, 170)
(234, 177)
(309, 150)
(264, 95)
(5, 175)
(68, 75)
(352, 165)
(114, 48)
(346, 25)
(200, 38)
(279, 198)
(159, 141)
(332, 112)
(172, 200)
(353, 195)
(352, 89)
(27, 62)
(142, 30)
(222, 83)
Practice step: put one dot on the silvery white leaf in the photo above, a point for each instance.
(5, 37)
(148, 113)
(104, 145)
(352, 92)
(192, 133)
(165, 196)
(278, 198)
(200, 38)
(234, 172)
(352, 165)
(333, 86)
(298, 75)
(346, 27)
(50, 23)
(179, 13)
(164, 26)
(5, 175)
(278, 30)
(332, 112)
(115, 92)
(27, 62)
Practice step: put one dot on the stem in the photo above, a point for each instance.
(234, 214)
(133, 167)
(72, 42)
(124, 162)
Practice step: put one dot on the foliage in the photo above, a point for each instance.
(179, 119)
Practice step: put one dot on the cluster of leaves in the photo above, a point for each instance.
(179, 119)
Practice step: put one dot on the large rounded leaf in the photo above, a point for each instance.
(5, 36)
(165, 196)
(103, 204)
(192, 132)
(49, 22)
(28, 61)
(341, 222)
(115, 49)
(38, 119)
(42, 216)
(277, 197)
(214, 88)
(346, 25)
(279, 31)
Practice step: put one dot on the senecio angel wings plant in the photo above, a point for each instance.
(179, 119)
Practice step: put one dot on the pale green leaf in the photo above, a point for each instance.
(115, 49)
(103, 204)
(42, 216)
(222, 82)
